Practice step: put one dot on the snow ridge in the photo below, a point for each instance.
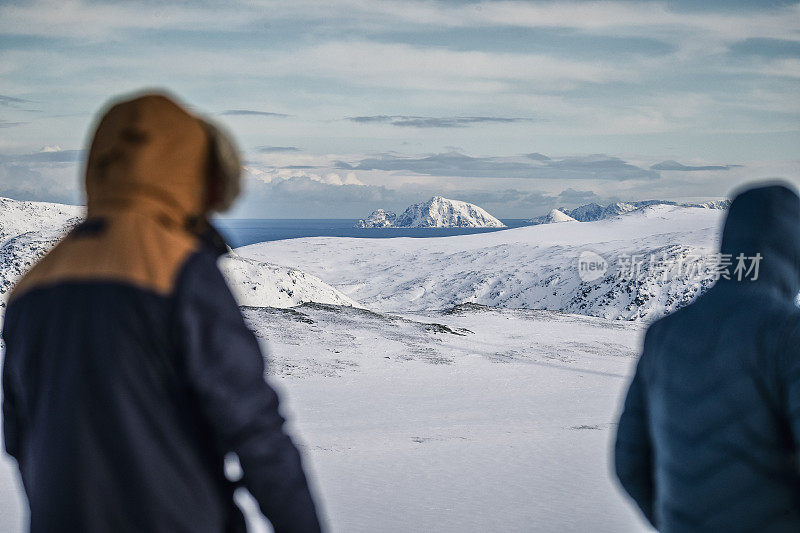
(592, 211)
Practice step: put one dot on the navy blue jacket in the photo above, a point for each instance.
(120, 405)
(709, 435)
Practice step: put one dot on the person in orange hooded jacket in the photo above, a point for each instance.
(129, 372)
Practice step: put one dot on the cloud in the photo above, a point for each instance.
(24, 183)
(510, 202)
(383, 52)
(408, 66)
(537, 156)
(370, 119)
(599, 166)
(539, 166)
(284, 173)
(7, 124)
(276, 149)
(103, 21)
(272, 191)
(770, 48)
(574, 197)
(304, 196)
(674, 165)
(434, 122)
(45, 156)
(48, 175)
(11, 100)
(246, 112)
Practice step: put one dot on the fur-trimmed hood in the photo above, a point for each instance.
(150, 153)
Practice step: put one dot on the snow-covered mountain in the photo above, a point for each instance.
(29, 229)
(378, 219)
(592, 211)
(533, 267)
(438, 212)
(553, 217)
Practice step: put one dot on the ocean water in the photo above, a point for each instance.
(244, 231)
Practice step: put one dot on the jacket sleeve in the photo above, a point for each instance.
(225, 370)
(789, 375)
(11, 429)
(633, 454)
(12, 425)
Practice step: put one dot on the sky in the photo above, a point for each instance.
(344, 107)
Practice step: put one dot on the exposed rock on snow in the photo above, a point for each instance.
(378, 219)
(438, 212)
(591, 212)
(712, 204)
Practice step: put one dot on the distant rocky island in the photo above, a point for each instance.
(438, 212)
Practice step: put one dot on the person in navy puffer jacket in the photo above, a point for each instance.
(709, 434)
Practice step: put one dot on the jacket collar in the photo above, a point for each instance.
(210, 238)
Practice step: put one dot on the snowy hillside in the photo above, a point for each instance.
(17, 217)
(468, 420)
(591, 212)
(532, 267)
(438, 212)
(258, 284)
(29, 229)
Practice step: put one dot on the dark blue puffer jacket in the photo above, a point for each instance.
(709, 435)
